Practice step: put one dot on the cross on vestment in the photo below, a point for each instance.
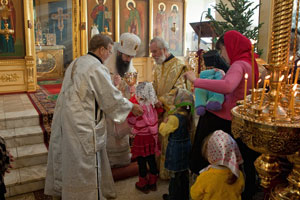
(60, 17)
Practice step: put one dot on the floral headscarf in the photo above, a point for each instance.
(223, 150)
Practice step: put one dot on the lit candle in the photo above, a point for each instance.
(289, 76)
(263, 91)
(292, 97)
(293, 110)
(245, 90)
(297, 74)
(277, 95)
(257, 84)
(253, 73)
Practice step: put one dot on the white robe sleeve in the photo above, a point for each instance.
(109, 98)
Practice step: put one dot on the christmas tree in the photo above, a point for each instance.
(238, 18)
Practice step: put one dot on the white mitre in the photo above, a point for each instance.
(129, 44)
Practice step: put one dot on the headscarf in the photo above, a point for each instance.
(222, 150)
(146, 91)
(238, 47)
(183, 98)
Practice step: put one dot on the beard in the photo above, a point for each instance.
(122, 66)
(160, 59)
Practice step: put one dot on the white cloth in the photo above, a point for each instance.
(77, 138)
(94, 31)
(118, 148)
(222, 150)
(129, 44)
(146, 94)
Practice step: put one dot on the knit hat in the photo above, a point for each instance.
(129, 44)
(183, 98)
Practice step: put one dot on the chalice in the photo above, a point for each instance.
(131, 79)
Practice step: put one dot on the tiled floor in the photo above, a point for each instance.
(125, 191)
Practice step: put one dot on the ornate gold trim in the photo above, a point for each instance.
(30, 64)
(83, 27)
(76, 29)
(184, 26)
(150, 21)
(9, 77)
(16, 62)
(117, 20)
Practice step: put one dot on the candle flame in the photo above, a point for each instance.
(295, 87)
(259, 81)
(291, 58)
(267, 77)
(298, 63)
(281, 78)
(289, 76)
(246, 76)
(295, 94)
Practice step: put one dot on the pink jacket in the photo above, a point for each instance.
(232, 86)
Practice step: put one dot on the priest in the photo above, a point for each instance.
(78, 166)
(119, 63)
(168, 77)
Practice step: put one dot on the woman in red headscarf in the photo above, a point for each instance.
(236, 50)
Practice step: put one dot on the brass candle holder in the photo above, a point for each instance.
(270, 123)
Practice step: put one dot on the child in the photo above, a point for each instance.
(222, 179)
(5, 159)
(145, 143)
(178, 127)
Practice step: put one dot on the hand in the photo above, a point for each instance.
(117, 79)
(11, 159)
(190, 75)
(137, 110)
(220, 70)
(158, 104)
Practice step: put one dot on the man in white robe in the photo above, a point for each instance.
(78, 167)
(120, 62)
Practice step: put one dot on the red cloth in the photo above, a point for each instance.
(53, 89)
(143, 145)
(238, 47)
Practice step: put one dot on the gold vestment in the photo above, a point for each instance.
(168, 77)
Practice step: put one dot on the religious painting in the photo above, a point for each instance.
(168, 23)
(12, 38)
(101, 17)
(53, 26)
(135, 19)
(59, 20)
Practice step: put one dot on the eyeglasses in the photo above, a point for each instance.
(109, 50)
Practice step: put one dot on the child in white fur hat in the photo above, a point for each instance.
(145, 130)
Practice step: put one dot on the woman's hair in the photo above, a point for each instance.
(231, 179)
(220, 42)
(99, 40)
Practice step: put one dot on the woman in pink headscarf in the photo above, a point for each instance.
(235, 49)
